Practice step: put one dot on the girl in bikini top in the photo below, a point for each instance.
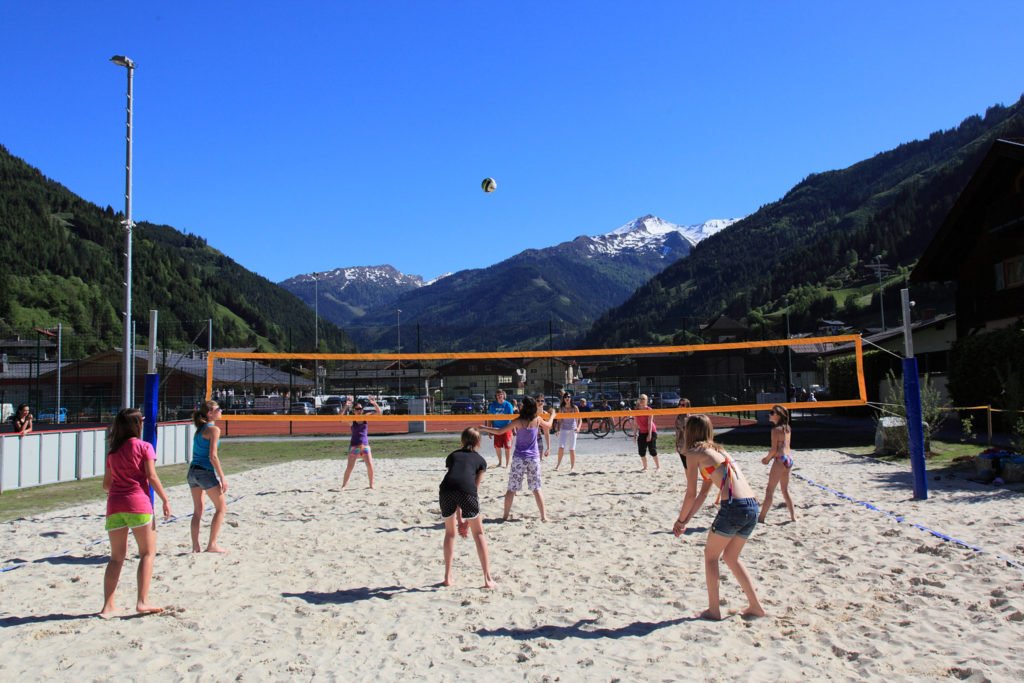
(728, 473)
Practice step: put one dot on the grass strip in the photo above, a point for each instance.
(235, 457)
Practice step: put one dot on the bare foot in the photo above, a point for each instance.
(710, 615)
(143, 608)
(464, 529)
(447, 581)
(215, 549)
(760, 520)
(543, 519)
(489, 584)
(196, 549)
(107, 613)
(753, 612)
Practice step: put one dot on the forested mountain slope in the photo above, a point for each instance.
(63, 262)
(805, 253)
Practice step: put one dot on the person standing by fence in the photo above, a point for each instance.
(22, 420)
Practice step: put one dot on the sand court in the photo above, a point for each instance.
(324, 583)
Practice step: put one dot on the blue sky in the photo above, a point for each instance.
(304, 136)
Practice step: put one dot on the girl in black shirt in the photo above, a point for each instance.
(460, 505)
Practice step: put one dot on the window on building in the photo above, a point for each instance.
(1010, 272)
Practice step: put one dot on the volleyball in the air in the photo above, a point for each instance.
(488, 185)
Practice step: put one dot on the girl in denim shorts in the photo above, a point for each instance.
(737, 514)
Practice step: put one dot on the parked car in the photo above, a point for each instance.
(269, 405)
(665, 399)
(480, 403)
(48, 416)
(301, 408)
(463, 405)
(332, 405)
(401, 405)
(820, 393)
(234, 405)
(368, 409)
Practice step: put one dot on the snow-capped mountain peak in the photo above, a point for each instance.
(650, 234)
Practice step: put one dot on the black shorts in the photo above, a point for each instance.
(643, 445)
(450, 500)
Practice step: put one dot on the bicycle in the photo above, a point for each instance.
(603, 426)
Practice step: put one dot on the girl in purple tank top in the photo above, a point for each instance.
(359, 445)
(526, 457)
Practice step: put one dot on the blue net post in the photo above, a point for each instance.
(915, 427)
(149, 409)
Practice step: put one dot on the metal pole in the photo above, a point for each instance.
(912, 400)
(131, 396)
(60, 337)
(126, 390)
(151, 367)
(789, 362)
(316, 332)
(398, 313)
(881, 292)
(209, 335)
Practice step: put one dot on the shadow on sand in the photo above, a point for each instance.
(350, 595)
(42, 618)
(637, 629)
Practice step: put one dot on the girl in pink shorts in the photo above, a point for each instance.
(359, 446)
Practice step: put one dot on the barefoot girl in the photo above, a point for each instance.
(781, 459)
(646, 433)
(359, 446)
(460, 505)
(131, 470)
(568, 428)
(736, 517)
(205, 475)
(526, 455)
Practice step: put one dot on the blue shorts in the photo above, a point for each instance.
(736, 517)
(202, 478)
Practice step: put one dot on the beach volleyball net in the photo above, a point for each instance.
(430, 390)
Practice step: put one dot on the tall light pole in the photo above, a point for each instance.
(316, 329)
(126, 391)
(398, 315)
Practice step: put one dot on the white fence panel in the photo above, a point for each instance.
(49, 457)
(68, 453)
(55, 456)
(9, 455)
(28, 460)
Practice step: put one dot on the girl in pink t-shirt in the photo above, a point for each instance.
(130, 471)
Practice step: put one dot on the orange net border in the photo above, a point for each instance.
(633, 351)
